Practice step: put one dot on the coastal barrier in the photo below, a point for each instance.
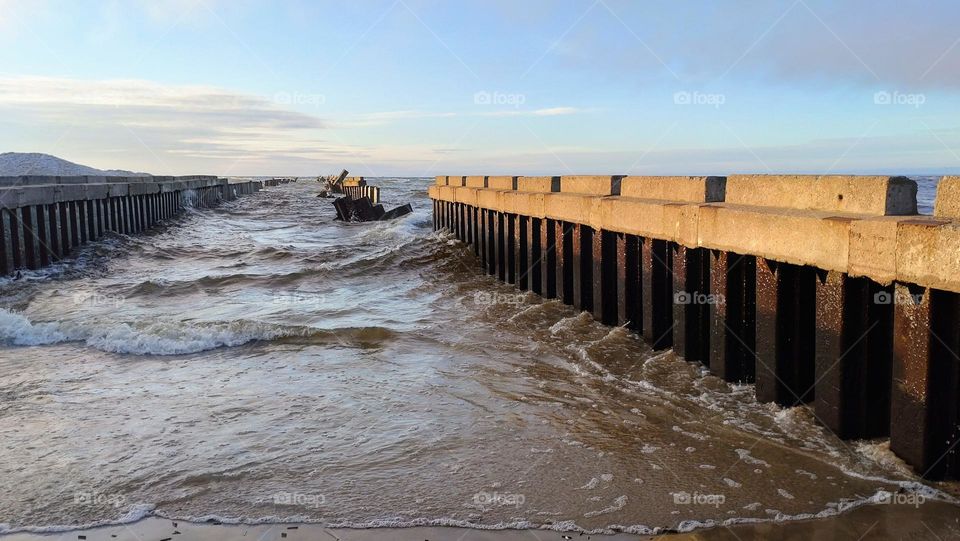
(356, 187)
(830, 291)
(43, 218)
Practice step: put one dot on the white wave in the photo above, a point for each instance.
(157, 337)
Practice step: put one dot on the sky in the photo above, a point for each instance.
(434, 87)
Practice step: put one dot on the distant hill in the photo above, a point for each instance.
(14, 164)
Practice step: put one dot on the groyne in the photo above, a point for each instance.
(356, 188)
(43, 218)
(823, 290)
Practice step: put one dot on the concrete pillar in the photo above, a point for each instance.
(628, 282)
(111, 214)
(564, 266)
(491, 242)
(925, 398)
(656, 297)
(96, 216)
(605, 290)
(691, 303)
(66, 227)
(500, 245)
(786, 330)
(733, 316)
(548, 258)
(436, 215)
(462, 222)
(521, 257)
(582, 267)
(123, 216)
(534, 253)
(47, 250)
(476, 230)
(82, 227)
(31, 228)
(854, 355)
(510, 248)
(6, 229)
(56, 232)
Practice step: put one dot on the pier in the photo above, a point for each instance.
(830, 291)
(43, 218)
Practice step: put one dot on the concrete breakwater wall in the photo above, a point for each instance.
(356, 187)
(823, 290)
(43, 218)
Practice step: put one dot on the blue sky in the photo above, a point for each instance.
(428, 87)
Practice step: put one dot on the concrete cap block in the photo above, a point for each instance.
(502, 183)
(27, 196)
(489, 199)
(538, 184)
(144, 188)
(799, 237)
(433, 192)
(928, 253)
(98, 191)
(70, 192)
(523, 203)
(873, 248)
(475, 182)
(574, 208)
(871, 195)
(119, 189)
(591, 184)
(354, 181)
(456, 181)
(685, 189)
(441, 181)
(948, 198)
(467, 196)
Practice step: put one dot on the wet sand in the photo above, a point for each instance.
(929, 521)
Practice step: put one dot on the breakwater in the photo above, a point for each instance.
(43, 218)
(357, 187)
(823, 290)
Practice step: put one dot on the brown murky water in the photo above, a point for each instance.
(260, 363)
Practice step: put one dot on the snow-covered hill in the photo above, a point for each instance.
(13, 164)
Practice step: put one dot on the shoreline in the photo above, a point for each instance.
(931, 520)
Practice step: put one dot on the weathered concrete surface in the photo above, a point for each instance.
(591, 184)
(538, 184)
(872, 195)
(815, 238)
(948, 198)
(928, 253)
(687, 189)
(475, 182)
